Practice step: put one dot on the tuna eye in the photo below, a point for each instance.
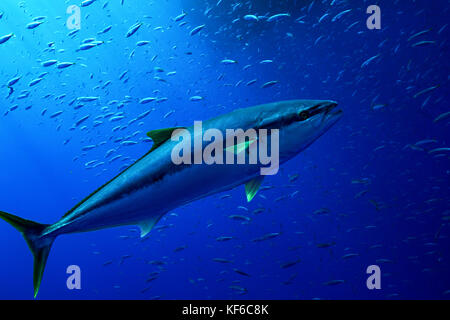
(303, 115)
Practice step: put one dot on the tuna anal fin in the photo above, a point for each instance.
(147, 225)
(252, 187)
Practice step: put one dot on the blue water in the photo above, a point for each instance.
(368, 187)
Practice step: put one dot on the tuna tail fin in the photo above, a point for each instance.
(39, 245)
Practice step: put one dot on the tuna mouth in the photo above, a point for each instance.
(324, 110)
(331, 114)
(329, 108)
(327, 112)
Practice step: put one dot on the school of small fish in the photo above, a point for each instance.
(86, 88)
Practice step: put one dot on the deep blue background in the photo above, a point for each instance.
(404, 213)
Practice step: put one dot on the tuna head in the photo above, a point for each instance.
(300, 123)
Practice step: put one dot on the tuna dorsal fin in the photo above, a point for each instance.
(160, 136)
(252, 187)
(147, 225)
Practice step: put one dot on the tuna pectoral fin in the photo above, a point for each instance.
(39, 246)
(252, 187)
(147, 225)
(239, 147)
